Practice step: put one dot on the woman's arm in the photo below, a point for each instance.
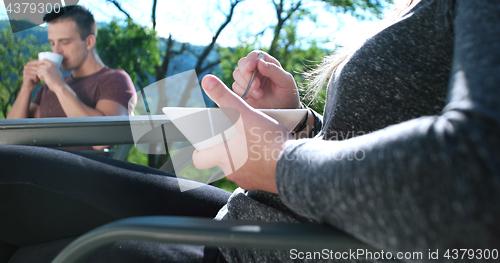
(429, 183)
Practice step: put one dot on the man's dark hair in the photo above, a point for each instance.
(83, 18)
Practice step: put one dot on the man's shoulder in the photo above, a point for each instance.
(110, 72)
(115, 78)
(118, 76)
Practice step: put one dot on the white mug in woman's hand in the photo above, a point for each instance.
(51, 56)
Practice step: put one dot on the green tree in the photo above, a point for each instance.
(202, 65)
(298, 55)
(292, 11)
(15, 52)
(131, 47)
(359, 8)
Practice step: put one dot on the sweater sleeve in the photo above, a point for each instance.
(428, 183)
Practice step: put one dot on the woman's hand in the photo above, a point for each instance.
(272, 88)
(253, 151)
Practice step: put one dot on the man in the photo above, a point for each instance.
(93, 89)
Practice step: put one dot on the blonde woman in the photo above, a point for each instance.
(405, 158)
(407, 154)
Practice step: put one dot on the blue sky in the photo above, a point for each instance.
(195, 21)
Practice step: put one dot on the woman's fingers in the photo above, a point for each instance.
(267, 67)
(240, 81)
(275, 73)
(240, 84)
(252, 57)
(248, 64)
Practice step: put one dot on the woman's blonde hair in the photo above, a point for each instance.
(317, 78)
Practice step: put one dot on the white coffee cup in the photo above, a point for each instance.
(51, 56)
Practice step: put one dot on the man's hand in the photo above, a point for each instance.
(50, 73)
(22, 108)
(254, 149)
(272, 88)
(30, 75)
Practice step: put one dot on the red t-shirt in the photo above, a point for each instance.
(110, 84)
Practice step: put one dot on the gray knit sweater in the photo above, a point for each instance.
(408, 158)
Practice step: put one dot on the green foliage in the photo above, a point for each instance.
(132, 47)
(225, 184)
(15, 52)
(369, 7)
(134, 156)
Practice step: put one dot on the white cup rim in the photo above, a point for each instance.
(51, 56)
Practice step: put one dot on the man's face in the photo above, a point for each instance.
(64, 37)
